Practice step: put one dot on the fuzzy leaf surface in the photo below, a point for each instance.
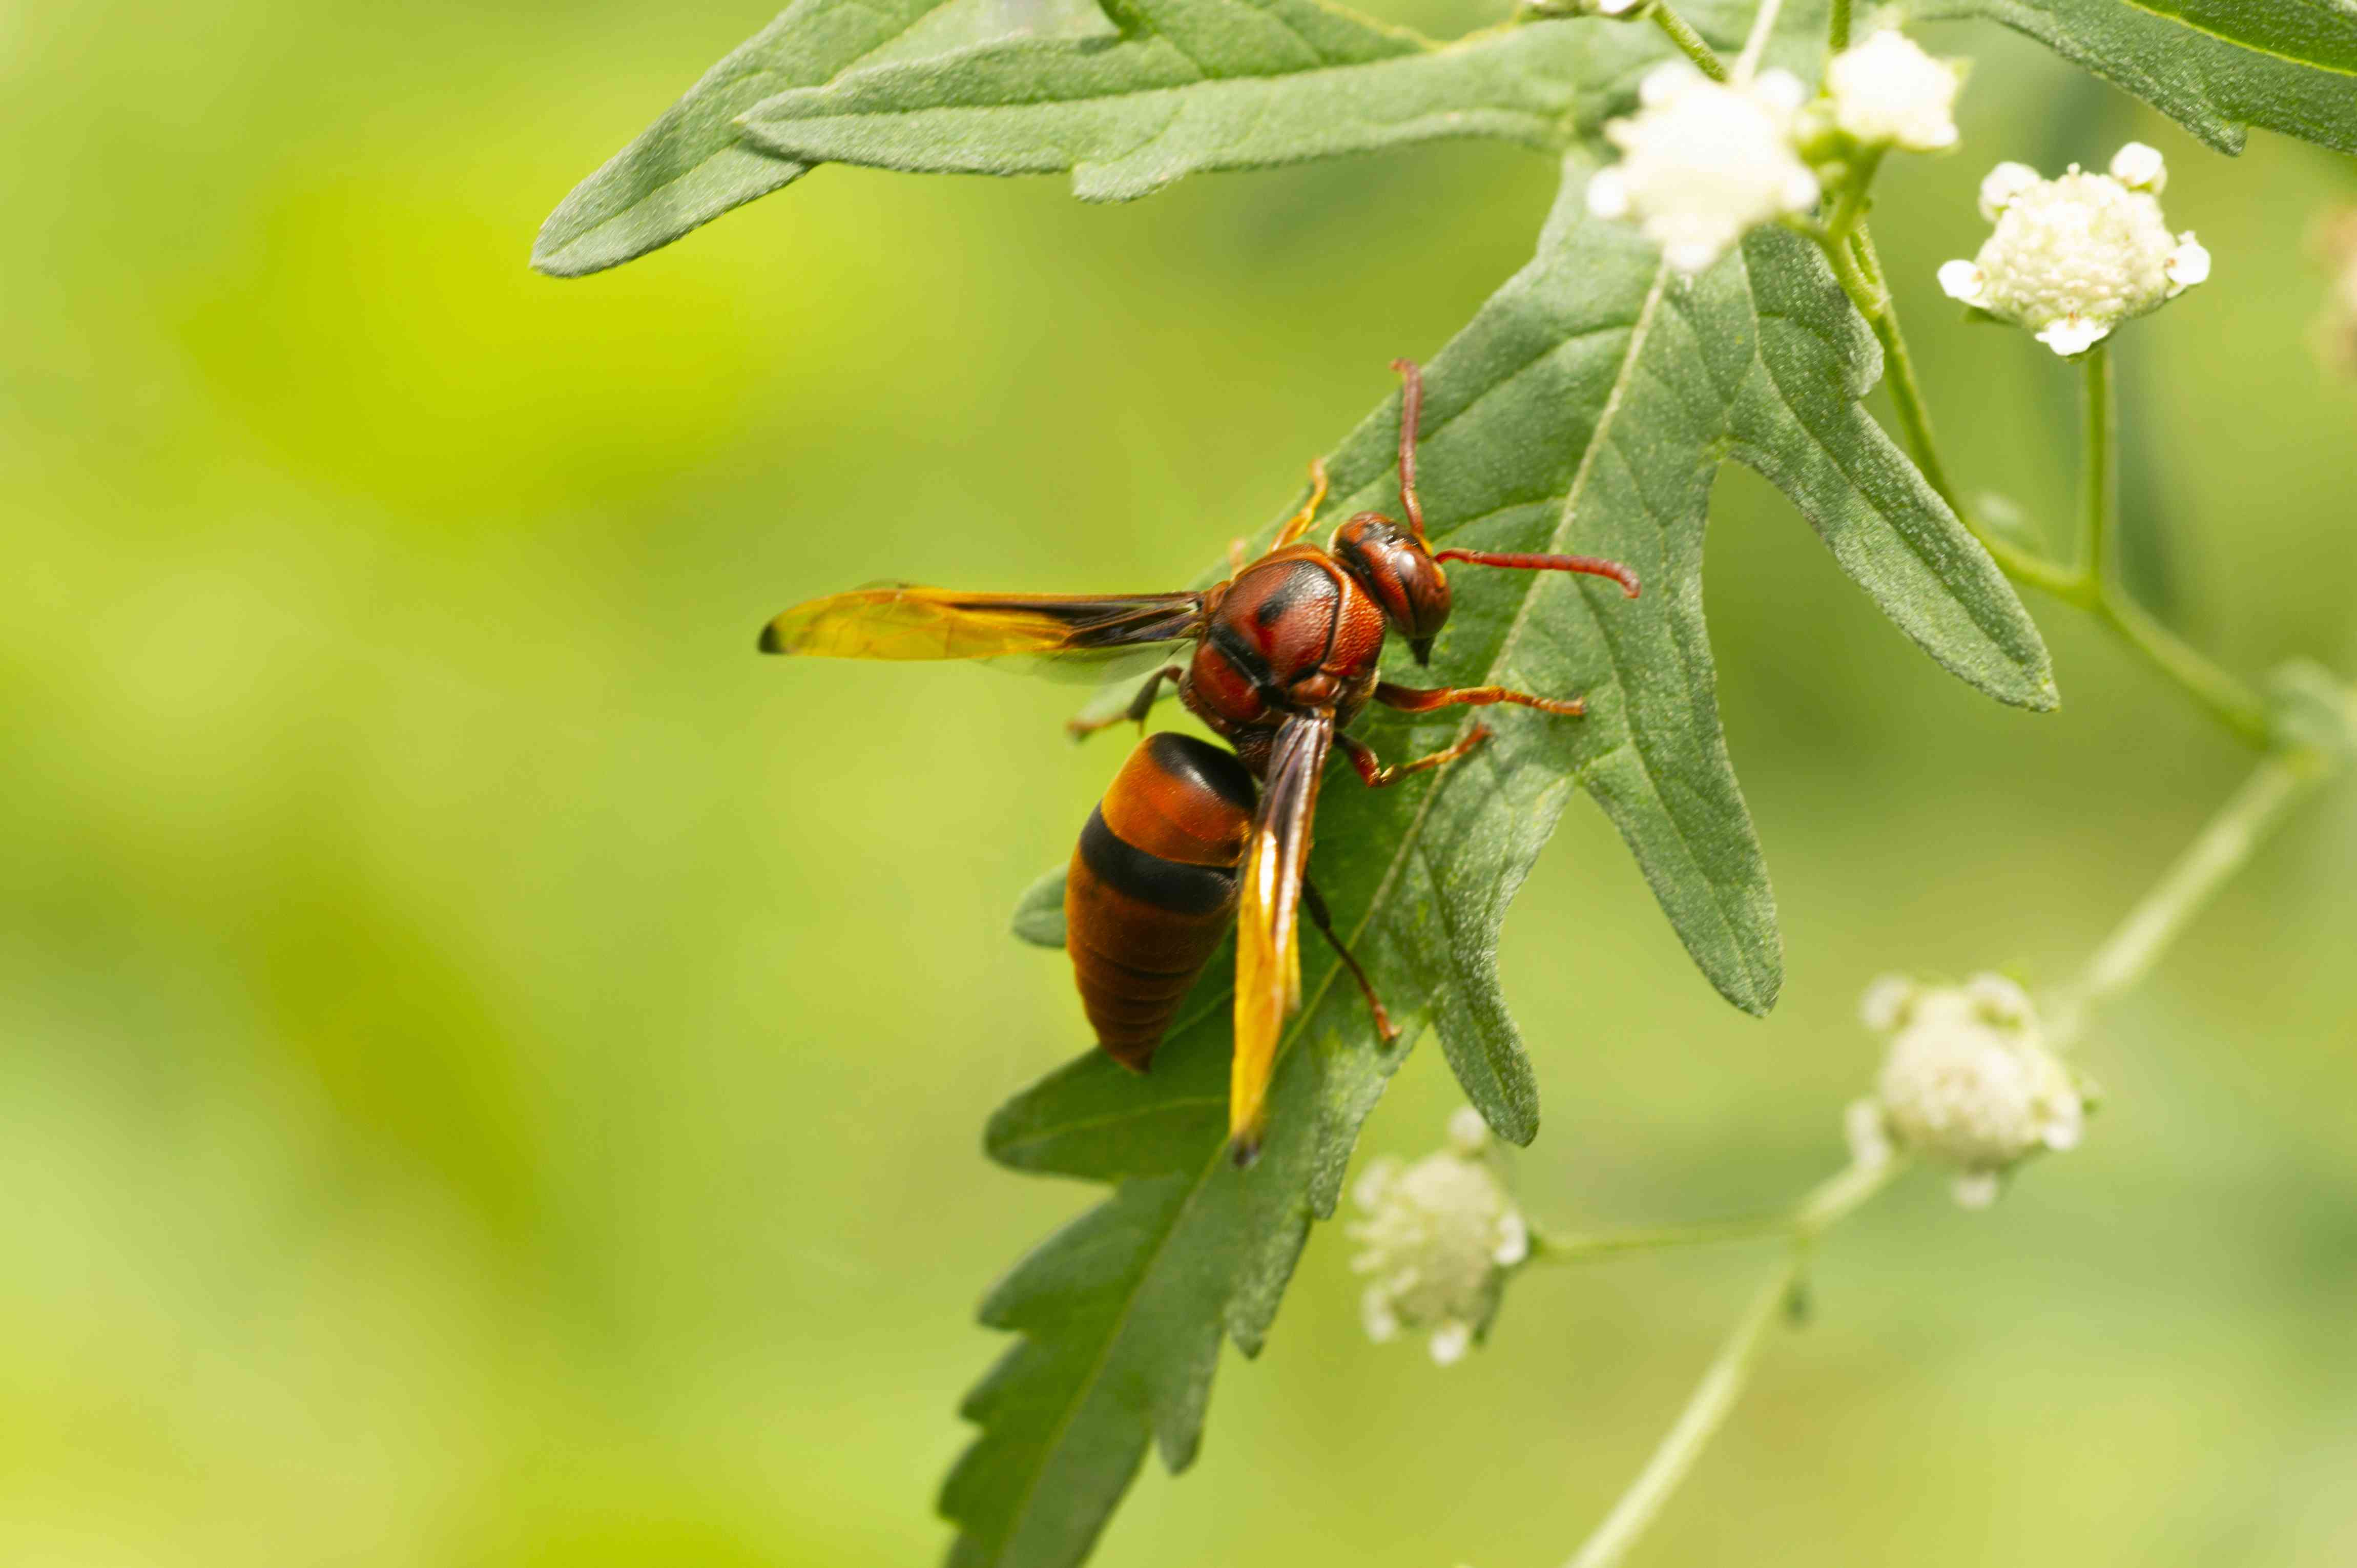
(1198, 85)
(690, 166)
(1038, 917)
(2216, 67)
(1586, 408)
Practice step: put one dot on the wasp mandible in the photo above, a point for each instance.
(1285, 657)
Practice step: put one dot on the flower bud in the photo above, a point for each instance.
(1968, 1081)
(1438, 1240)
(1705, 162)
(2139, 168)
(2073, 258)
(1886, 93)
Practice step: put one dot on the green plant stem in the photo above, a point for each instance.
(1696, 1425)
(2099, 465)
(1707, 1408)
(2224, 847)
(1837, 31)
(1690, 43)
(1850, 208)
(2092, 585)
(1764, 25)
(1804, 1222)
(1580, 1249)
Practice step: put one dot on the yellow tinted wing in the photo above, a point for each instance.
(1268, 921)
(901, 621)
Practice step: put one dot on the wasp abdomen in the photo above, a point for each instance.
(1152, 887)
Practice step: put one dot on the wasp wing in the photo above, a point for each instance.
(899, 620)
(1268, 918)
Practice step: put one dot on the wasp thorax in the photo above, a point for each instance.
(1398, 573)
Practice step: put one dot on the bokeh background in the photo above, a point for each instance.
(490, 1072)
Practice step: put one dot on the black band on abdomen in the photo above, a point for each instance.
(1165, 884)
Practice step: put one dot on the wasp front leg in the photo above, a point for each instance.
(1376, 773)
(1301, 520)
(1139, 706)
(1424, 700)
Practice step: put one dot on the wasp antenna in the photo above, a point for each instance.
(1592, 565)
(1411, 416)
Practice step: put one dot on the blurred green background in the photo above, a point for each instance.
(493, 1069)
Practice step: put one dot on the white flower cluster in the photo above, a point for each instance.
(1703, 162)
(1886, 93)
(1438, 1240)
(1968, 1080)
(2073, 258)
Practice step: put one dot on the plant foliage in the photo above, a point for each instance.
(1587, 407)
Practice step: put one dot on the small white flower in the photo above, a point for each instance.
(1449, 1343)
(2002, 184)
(2073, 258)
(1888, 92)
(2139, 168)
(1868, 1136)
(1975, 1189)
(1968, 1080)
(2188, 264)
(1437, 1240)
(1702, 163)
(1961, 280)
(2072, 334)
(1615, 7)
(1884, 1007)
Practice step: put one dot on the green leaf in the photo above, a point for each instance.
(1185, 85)
(1587, 408)
(690, 167)
(1038, 915)
(2213, 66)
(1199, 85)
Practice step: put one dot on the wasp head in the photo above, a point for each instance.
(1399, 574)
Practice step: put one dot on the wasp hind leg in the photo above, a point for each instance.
(1139, 706)
(1314, 907)
(1376, 773)
(1424, 700)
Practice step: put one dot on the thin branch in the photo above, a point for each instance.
(1705, 1411)
(1546, 1248)
(2098, 464)
(2224, 847)
(1762, 26)
(1690, 43)
(1722, 1384)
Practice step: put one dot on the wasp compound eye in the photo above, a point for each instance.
(1398, 575)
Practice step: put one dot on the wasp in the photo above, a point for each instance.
(1191, 838)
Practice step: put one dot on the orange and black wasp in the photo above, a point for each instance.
(1190, 836)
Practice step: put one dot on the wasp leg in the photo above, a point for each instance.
(1593, 565)
(1411, 416)
(1301, 520)
(1421, 700)
(1377, 774)
(1315, 906)
(1139, 705)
